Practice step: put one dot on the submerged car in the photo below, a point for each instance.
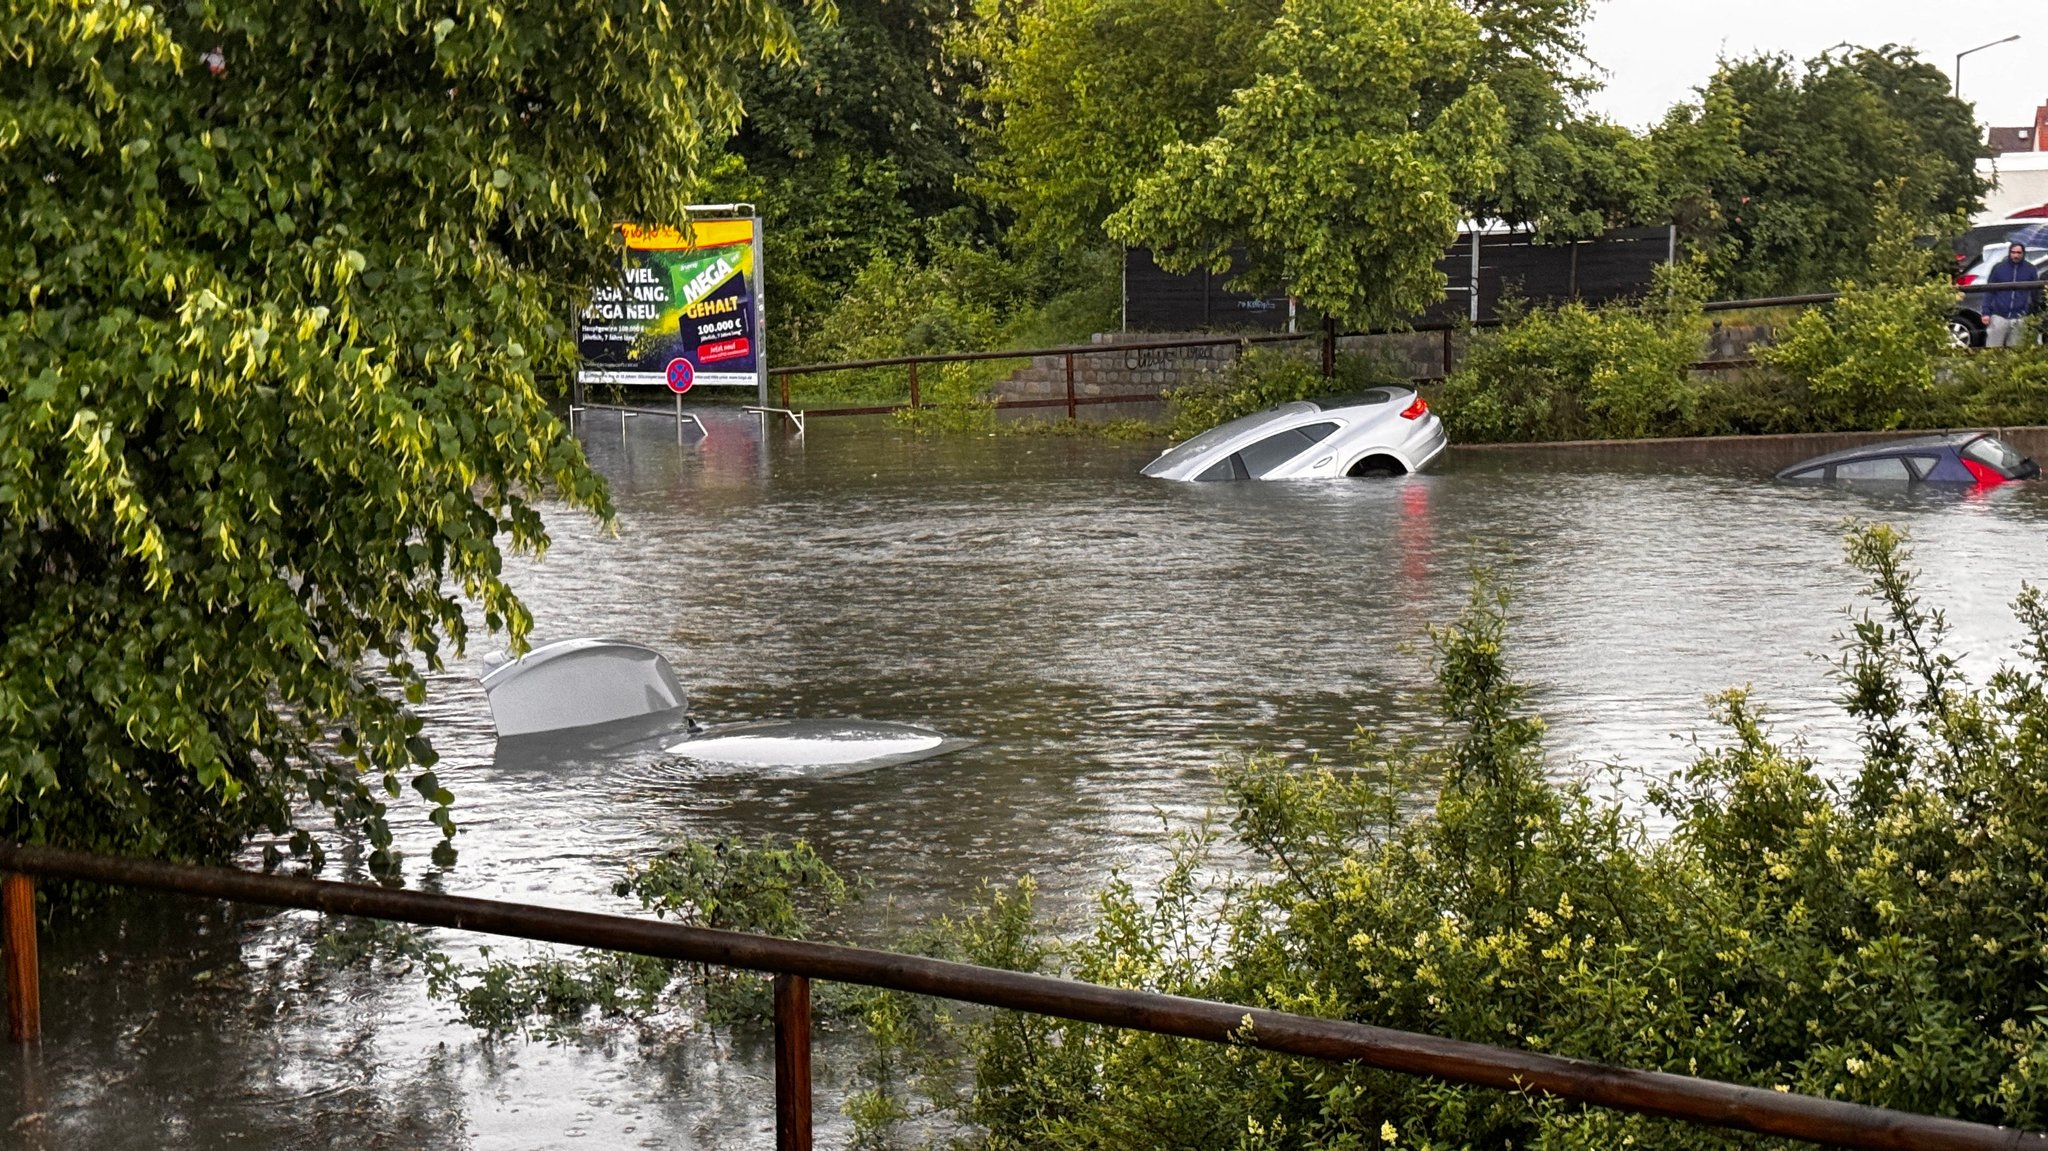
(562, 701)
(579, 683)
(1386, 431)
(1962, 458)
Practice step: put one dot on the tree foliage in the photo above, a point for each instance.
(853, 151)
(1870, 932)
(1079, 99)
(1775, 172)
(277, 282)
(1563, 173)
(1341, 167)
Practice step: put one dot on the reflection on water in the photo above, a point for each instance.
(1103, 638)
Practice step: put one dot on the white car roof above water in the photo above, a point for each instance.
(579, 683)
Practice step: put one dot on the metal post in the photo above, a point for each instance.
(761, 318)
(1979, 48)
(913, 383)
(1447, 353)
(679, 419)
(785, 394)
(1472, 295)
(792, 1063)
(1071, 413)
(24, 991)
(1329, 346)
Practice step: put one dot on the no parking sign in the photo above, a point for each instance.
(681, 374)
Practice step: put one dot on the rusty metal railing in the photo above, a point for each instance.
(794, 963)
(1073, 401)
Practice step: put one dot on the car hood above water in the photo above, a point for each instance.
(804, 746)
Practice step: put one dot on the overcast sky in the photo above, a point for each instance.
(1654, 52)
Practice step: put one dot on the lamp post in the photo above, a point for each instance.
(1978, 48)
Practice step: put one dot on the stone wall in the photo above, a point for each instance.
(1115, 371)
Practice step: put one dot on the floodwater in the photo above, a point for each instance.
(1105, 639)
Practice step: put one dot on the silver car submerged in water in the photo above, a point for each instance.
(1386, 431)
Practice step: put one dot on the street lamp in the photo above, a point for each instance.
(1978, 48)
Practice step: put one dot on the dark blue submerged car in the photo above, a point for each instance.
(1968, 458)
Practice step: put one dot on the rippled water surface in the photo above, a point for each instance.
(1106, 639)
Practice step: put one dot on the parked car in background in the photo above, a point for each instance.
(1972, 458)
(1977, 252)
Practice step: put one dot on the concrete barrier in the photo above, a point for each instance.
(1773, 451)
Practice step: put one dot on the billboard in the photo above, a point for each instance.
(687, 306)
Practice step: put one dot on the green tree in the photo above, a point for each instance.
(1342, 166)
(851, 152)
(1792, 205)
(1563, 174)
(277, 282)
(1082, 99)
(1079, 99)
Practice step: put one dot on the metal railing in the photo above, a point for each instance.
(1072, 401)
(795, 963)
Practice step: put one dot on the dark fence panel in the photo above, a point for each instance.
(1156, 300)
(1511, 265)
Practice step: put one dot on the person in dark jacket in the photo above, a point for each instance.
(2006, 311)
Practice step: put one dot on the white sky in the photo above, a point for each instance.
(1655, 52)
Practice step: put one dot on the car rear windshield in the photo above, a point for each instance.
(1993, 451)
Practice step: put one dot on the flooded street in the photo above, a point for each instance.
(1106, 639)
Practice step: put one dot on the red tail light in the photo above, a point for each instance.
(1416, 410)
(1986, 476)
(1969, 279)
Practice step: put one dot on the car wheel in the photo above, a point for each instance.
(1963, 333)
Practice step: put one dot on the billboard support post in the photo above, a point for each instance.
(1472, 296)
(760, 318)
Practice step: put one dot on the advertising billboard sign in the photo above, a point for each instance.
(686, 310)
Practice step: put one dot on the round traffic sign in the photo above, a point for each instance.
(681, 374)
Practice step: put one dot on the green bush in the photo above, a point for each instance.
(1868, 360)
(768, 888)
(1579, 372)
(1873, 932)
(1261, 378)
(2000, 387)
